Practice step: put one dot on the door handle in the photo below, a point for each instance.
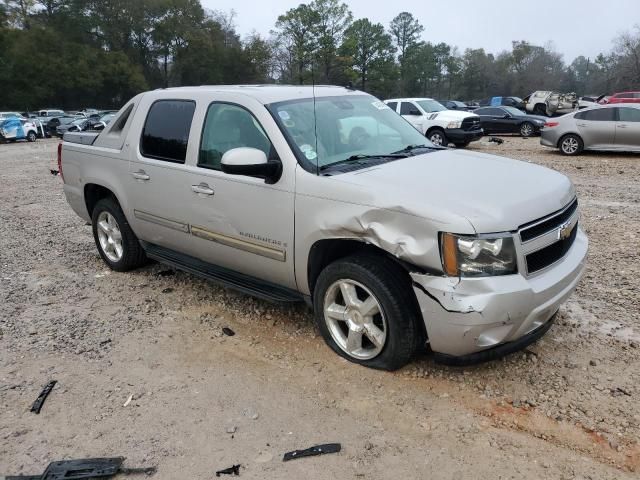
(622, 126)
(582, 124)
(202, 188)
(140, 175)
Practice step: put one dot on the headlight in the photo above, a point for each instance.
(478, 256)
(457, 124)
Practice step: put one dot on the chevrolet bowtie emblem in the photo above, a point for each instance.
(565, 230)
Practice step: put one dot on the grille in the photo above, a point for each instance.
(536, 261)
(557, 219)
(471, 123)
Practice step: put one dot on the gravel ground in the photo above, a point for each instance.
(567, 407)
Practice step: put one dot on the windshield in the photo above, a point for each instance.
(107, 118)
(430, 106)
(514, 111)
(66, 120)
(346, 126)
(78, 122)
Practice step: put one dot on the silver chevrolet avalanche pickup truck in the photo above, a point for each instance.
(326, 195)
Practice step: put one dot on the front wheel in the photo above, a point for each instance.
(438, 138)
(31, 136)
(366, 311)
(117, 244)
(571, 145)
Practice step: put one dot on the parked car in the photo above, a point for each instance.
(77, 125)
(434, 121)
(53, 123)
(515, 102)
(548, 103)
(16, 128)
(624, 97)
(325, 195)
(456, 105)
(509, 120)
(5, 115)
(605, 127)
(103, 121)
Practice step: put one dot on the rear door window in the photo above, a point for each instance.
(393, 105)
(166, 130)
(599, 115)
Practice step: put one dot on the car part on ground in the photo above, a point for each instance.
(312, 451)
(375, 227)
(37, 405)
(85, 469)
(613, 127)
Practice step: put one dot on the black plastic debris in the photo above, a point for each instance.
(497, 140)
(233, 470)
(167, 290)
(313, 451)
(54, 172)
(166, 273)
(84, 469)
(37, 405)
(228, 332)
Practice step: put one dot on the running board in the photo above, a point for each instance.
(223, 276)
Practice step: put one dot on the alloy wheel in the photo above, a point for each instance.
(110, 237)
(355, 319)
(570, 145)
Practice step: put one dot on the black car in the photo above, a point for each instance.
(515, 102)
(55, 122)
(456, 105)
(509, 120)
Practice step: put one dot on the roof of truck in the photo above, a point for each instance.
(270, 93)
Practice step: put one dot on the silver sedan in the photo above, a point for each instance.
(605, 127)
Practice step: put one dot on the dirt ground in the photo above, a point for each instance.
(568, 407)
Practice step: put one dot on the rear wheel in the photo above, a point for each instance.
(365, 309)
(117, 244)
(437, 137)
(571, 145)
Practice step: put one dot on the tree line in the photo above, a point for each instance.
(75, 53)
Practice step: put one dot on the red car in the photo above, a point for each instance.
(624, 97)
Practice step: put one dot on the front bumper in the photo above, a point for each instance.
(467, 315)
(458, 135)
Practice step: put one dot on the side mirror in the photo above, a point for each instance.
(506, 115)
(251, 162)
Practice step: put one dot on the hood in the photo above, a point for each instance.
(450, 115)
(495, 194)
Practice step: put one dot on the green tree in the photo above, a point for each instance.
(369, 49)
(333, 19)
(298, 32)
(405, 30)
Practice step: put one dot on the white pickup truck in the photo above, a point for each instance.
(327, 196)
(440, 125)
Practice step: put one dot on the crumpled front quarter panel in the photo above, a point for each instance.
(327, 207)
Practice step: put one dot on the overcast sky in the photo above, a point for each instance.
(576, 27)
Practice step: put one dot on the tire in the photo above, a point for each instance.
(31, 136)
(130, 253)
(437, 137)
(540, 109)
(397, 316)
(527, 129)
(462, 145)
(571, 145)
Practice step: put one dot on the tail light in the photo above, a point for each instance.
(60, 161)
(551, 124)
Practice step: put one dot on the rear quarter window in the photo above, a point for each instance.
(166, 130)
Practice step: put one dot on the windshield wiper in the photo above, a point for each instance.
(360, 159)
(410, 148)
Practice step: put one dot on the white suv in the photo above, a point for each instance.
(439, 125)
